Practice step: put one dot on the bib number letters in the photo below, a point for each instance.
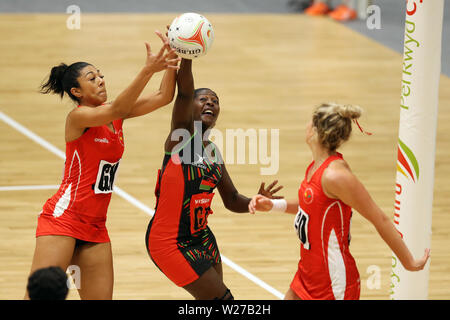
(301, 227)
(105, 177)
(200, 209)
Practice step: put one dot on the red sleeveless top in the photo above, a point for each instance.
(326, 269)
(78, 209)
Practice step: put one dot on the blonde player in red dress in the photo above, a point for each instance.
(71, 226)
(326, 197)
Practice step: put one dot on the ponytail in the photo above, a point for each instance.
(63, 78)
(334, 123)
(54, 83)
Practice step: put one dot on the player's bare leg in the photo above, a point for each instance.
(96, 270)
(52, 251)
(291, 295)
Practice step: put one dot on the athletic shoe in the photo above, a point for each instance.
(317, 9)
(343, 13)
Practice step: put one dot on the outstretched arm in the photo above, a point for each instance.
(236, 202)
(84, 117)
(262, 203)
(339, 182)
(231, 198)
(150, 102)
(182, 110)
(182, 117)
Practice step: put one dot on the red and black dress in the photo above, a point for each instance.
(178, 238)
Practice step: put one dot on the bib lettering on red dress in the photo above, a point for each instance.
(105, 177)
(301, 227)
(200, 209)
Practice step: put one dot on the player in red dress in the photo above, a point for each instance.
(326, 197)
(71, 226)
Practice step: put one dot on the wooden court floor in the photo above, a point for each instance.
(269, 71)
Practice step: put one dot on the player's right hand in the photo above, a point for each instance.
(259, 203)
(162, 60)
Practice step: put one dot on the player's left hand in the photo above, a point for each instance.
(269, 191)
(172, 57)
(419, 264)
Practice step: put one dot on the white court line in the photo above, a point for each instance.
(131, 199)
(250, 276)
(20, 188)
(32, 135)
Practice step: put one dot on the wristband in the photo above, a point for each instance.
(279, 205)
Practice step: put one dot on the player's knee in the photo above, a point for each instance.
(227, 296)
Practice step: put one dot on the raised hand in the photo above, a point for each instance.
(162, 60)
(173, 57)
(268, 192)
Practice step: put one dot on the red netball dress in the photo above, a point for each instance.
(78, 209)
(326, 269)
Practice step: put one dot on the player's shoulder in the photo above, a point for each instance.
(212, 147)
(78, 110)
(338, 165)
(81, 108)
(337, 172)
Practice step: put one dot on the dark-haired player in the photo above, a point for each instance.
(71, 226)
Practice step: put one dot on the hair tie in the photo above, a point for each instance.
(361, 129)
